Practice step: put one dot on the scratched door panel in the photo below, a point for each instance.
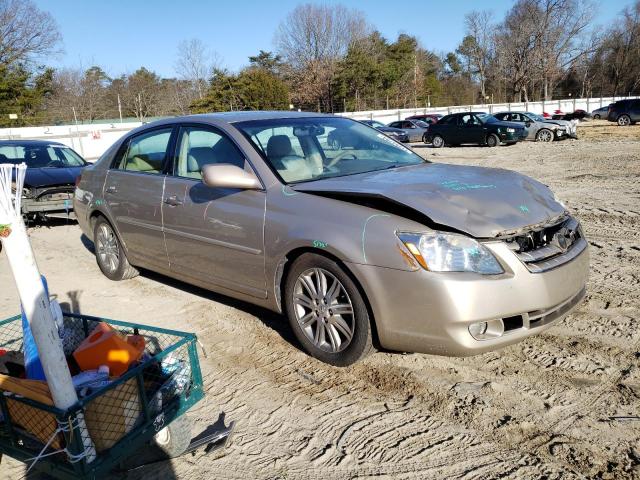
(215, 235)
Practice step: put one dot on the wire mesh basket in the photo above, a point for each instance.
(119, 416)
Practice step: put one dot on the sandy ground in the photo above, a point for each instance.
(549, 407)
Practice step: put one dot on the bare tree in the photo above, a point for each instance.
(26, 32)
(312, 39)
(478, 45)
(196, 63)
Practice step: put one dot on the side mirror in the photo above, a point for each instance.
(225, 175)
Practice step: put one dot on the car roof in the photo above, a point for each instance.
(30, 143)
(244, 116)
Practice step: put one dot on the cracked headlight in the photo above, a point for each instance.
(450, 252)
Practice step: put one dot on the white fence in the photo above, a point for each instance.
(91, 141)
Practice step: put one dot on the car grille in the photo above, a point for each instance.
(550, 247)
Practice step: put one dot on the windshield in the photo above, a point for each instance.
(374, 123)
(421, 124)
(304, 149)
(41, 156)
(536, 117)
(486, 118)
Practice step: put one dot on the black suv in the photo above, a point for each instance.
(473, 127)
(624, 112)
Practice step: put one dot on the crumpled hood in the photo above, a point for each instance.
(565, 123)
(482, 202)
(49, 177)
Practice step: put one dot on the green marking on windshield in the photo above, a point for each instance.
(524, 208)
(319, 244)
(461, 186)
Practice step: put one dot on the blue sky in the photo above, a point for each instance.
(121, 35)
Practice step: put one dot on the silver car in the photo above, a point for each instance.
(362, 247)
(539, 128)
(415, 129)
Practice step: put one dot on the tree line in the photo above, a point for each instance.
(329, 58)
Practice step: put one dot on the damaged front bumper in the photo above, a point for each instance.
(431, 312)
(48, 203)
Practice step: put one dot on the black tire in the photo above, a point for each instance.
(360, 343)
(173, 440)
(437, 141)
(106, 242)
(424, 138)
(624, 120)
(493, 140)
(596, 117)
(544, 135)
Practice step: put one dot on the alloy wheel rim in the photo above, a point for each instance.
(492, 141)
(107, 248)
(437, 142)
(545, 136)
(323, 310)
(623, 120)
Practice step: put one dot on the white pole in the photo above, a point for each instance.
(34, 299)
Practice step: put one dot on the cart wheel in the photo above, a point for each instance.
(173, 440)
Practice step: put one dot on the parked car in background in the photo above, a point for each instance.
(394, 133)
(538, 128)
(415, 129)
(624, 112)
(428, 118)
(599, 113)
(474, 128)
(52, 171)
(355, 246)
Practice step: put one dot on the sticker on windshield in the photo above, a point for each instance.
(393, 143)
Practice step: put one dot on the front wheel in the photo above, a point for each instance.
(493, 140)
(624, 120)
(596, 117)
(109, 252)
(437, 141)
(544, 135)
(327, 312)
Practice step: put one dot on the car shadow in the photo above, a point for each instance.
(275, 321)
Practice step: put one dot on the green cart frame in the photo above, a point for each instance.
(120, 417)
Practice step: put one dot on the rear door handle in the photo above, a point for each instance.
(112, 189)
(173, 201)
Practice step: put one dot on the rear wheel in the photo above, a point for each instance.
(544, 135)
(437, 141)
(624, 120)
(109, 252)
(326, 311)
(596, 117)
(493, 140)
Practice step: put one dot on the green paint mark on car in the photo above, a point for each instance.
(319, 244)
(461, 186)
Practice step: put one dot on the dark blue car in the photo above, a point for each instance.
(52, 171)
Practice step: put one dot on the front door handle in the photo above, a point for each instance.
(112, 189)
(173, 201)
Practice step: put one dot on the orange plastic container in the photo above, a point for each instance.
(106, 346)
